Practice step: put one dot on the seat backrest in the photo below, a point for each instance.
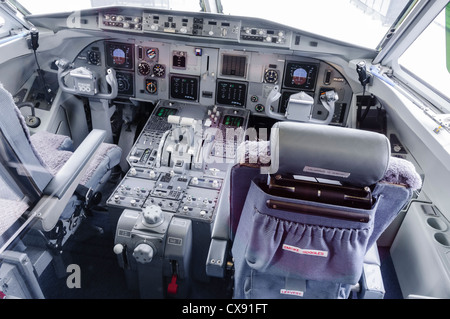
(16, 133)
(314, 234)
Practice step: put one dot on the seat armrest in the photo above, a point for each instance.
(216, 261)
(62, 187)
(221, 227)
(218, 248)
(76, 163)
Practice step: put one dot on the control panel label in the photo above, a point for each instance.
(124, 233)
(174, 241)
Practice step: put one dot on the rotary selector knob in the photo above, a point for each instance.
(143, 253)
(153, 215)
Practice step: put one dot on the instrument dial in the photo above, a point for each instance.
(94, 57)
(159, 70)
(271, 76)
(151, 53)
(151, 86)
(144, 68)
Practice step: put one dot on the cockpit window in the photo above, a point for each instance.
(52, 6)
(432, 45)
(356, 21)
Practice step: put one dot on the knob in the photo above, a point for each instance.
(194, 181)
(118, 249)
(152, 174)
(143, 253)
(153, 215)
(133, 171)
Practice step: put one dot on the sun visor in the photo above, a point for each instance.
(351, 156)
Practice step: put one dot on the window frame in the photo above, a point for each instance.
(424, 14)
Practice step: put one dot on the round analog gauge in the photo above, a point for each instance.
(151, 54)
(271, 76)
(159, 70)
(94, 57)
(144, 68)
(259, 108)
(151, 86)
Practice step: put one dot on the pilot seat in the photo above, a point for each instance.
(307, 208)
(59, 183)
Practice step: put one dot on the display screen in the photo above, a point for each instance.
(119, 55)
(166, 111)
(234, 121)
(231, 93)
(300, 75)
(179, 60)
(234, 65)
(125, 83)
(184, 87)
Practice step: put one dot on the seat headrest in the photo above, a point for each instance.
(351, 156)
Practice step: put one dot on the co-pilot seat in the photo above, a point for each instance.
(293, 238)
(61, 175)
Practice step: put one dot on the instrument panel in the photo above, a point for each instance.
(149, 70)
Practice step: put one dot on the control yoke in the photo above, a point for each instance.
(85, 82)
(300, 106)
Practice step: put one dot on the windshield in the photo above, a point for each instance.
(53, 6)
(354, 21)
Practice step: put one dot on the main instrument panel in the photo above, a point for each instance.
(152, 71)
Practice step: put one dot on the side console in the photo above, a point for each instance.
(168, 199)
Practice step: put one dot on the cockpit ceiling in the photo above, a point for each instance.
(198, 27)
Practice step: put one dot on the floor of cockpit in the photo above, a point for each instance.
(101, 275)
(102, 278)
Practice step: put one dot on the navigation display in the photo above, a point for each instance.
(300, 75)
(119, 55)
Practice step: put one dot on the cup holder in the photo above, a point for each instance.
(442, 239)
(437, 224)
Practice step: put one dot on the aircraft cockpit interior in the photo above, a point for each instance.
(201, 152)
